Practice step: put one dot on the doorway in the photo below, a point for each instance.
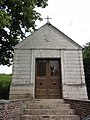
(48, 79)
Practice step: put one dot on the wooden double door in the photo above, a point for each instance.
(48, 79)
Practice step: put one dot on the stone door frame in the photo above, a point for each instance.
(45, 54)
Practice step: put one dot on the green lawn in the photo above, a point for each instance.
(5, 77)
(5, 81)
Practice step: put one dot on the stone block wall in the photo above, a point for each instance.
(73, 79)
(21, 91)
(22, 67)
(73, 67)
(11, 110)
(21, 86)
(82, 107)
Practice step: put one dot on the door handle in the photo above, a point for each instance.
(40, 83)
(54, 83)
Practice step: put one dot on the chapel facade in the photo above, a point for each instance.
(48, 65)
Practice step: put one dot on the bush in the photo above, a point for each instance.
(5, 81)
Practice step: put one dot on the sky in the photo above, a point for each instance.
(72, 17)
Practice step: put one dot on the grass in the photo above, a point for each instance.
(5, 81)
(5, 77)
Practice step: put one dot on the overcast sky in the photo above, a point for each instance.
(72, 17)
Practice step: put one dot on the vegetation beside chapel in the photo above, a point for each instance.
(5, 81)
(86, 59)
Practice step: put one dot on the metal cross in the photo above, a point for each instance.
(48, 18)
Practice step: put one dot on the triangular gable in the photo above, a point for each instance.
(67, 37)
(48, 37)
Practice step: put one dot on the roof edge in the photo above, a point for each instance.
(49, 24)
(64, 34)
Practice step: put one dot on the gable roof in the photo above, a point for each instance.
(48, 37)
(67, 36)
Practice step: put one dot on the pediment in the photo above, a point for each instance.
(48, 37)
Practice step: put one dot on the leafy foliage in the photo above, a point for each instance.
(16, 18)
(86, 58)
(5, 81)
(5, 19)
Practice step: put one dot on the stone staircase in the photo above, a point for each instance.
(48, 109)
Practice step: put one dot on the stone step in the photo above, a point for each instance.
(50, 117)
(48, 101)
(51, 100)
(47, 106)
(49, 111)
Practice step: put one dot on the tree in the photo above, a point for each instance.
(16, 18)
(86, 58)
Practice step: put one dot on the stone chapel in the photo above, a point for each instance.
(48, 65)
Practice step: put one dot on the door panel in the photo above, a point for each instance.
(41, 88)
(41, 68)
(41, 91)
(48, 82)
(41, 83)
(54, 68)
(53, 84)
(54, 79)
